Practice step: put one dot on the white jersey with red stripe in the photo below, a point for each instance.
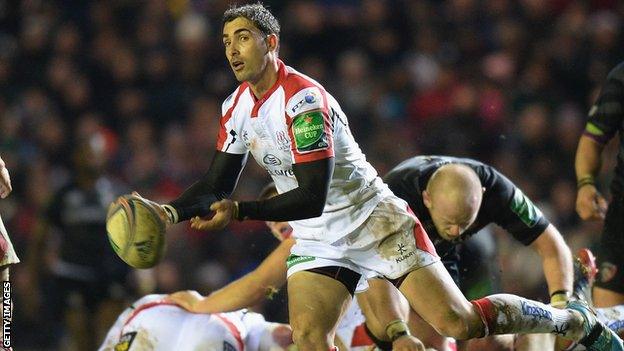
(154, 324)
(298, 121)
(351, 330)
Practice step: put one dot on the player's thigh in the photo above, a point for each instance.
(315, 301)
(432, 293)
(609, 285)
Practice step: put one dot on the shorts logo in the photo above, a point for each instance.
(525, 209)
(401, 248)
(125, 341)
(537, 312)
(607, 271)
(402, 255)
(294, 260)
(309, 132)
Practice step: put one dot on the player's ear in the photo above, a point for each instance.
(426, 199)
(272, 42)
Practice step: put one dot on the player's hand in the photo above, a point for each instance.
(407, 343)
(187, 299)
(590, 204)
(5, 180)
(224, 211)
(158, 208)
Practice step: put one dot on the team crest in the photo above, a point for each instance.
(125, 341)
(283, 142)
(607, 271)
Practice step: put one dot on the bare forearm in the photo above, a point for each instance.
(558, 273)
(556, 259)
(253, 287)
(239, 294)
(588, 158)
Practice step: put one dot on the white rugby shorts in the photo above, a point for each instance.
(390, 243)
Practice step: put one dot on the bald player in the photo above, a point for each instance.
(455, 198)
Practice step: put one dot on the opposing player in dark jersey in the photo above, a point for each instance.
(83, 279)
(439, 189)
(605, 120)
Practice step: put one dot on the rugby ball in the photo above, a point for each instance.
(135, 231)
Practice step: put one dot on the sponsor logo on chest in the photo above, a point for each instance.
(272, 160)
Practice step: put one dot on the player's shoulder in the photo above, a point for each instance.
(302, 93)
(233, 98)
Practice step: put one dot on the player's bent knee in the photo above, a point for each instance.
(460, 326)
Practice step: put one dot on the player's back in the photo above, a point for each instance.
(152, 324)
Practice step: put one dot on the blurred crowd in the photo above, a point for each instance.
(141, 83)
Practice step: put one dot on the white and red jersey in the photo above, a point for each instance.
(153, 324)
(298, 121)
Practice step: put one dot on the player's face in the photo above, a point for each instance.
(450, 219)
(246, 49)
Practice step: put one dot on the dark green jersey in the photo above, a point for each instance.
(503, 203)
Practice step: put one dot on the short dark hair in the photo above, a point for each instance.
(259, 15)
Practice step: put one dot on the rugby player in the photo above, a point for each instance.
(439, 190)
(346, 221)
(352, 332)
(8, 256)
(83, 280)
(154, 323)
(604, 121)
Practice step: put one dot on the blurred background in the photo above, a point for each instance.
(98, 98)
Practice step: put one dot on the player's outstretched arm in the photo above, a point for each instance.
(216, 184)
(590, 204)
(269, 276)
(556, 263)
(305, 201)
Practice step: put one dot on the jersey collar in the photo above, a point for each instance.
(281, 76)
